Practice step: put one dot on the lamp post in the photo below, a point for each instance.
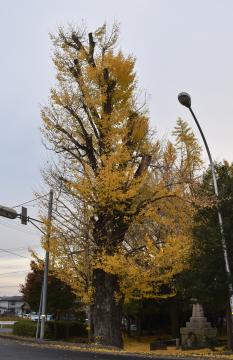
(11, 213)
(185, 100)
(46, 268)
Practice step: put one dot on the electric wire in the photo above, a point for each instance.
(17, 248)
(13, 272)
(13, 253)
(8, 252)
(5, 256)
(14, 227)
(27, 202)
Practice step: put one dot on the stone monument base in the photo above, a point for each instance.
(198, 332)
(197, 338)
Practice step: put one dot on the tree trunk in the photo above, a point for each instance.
(90, 324)
(107, 310)
(174, 318)
(229, 328)
(139, 327)
(128, 326)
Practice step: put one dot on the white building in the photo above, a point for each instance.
(12, 305)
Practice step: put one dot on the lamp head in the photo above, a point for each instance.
(185, 99)
(8, 212)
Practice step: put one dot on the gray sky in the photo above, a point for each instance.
(180, 45)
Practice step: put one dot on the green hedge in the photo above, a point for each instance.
(25, 328)
(28, 328)
(61, 329)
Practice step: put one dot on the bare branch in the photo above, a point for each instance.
(144, 164)
(91, 50)
(109, 91)
(73, 140)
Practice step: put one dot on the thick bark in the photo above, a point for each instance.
(174, 318)
(107, 310)
(90, 324)
(139, 327)
(128, 330)
(229, 328)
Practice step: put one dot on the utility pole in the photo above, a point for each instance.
(39, 314)
(11, 213)
(46, 266)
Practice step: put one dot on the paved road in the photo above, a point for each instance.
(15, 350)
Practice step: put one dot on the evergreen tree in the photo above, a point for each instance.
(207, 271)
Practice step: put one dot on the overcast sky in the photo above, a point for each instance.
(180, 45)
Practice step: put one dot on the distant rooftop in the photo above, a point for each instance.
(11, 298)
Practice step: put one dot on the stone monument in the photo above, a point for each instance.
(198, 331)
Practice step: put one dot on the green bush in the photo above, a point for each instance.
(25, 328)
(61, 329)
(28, 328)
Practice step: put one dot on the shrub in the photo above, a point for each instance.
(28, 328)
(25, 328)
(61, 329)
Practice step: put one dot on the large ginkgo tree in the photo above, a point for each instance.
(122, 218)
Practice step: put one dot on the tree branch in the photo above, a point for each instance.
(73, 140)
(109, 91)
(91, 50)
(88, 139)
(78, 43)
(145, 162)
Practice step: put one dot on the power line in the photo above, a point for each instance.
(8, 252)
(4, 256)
(27, 202)
(13, 253)
(21, 248)
(14, 227)
(17, 229)
(13, 272)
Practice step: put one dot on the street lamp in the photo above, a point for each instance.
(185, 100)
(8, 212)
(11, 213)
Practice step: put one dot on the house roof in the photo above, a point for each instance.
(11, 298)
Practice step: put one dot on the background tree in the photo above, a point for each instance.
(207, 271)
(113, 181)
(60, 299)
